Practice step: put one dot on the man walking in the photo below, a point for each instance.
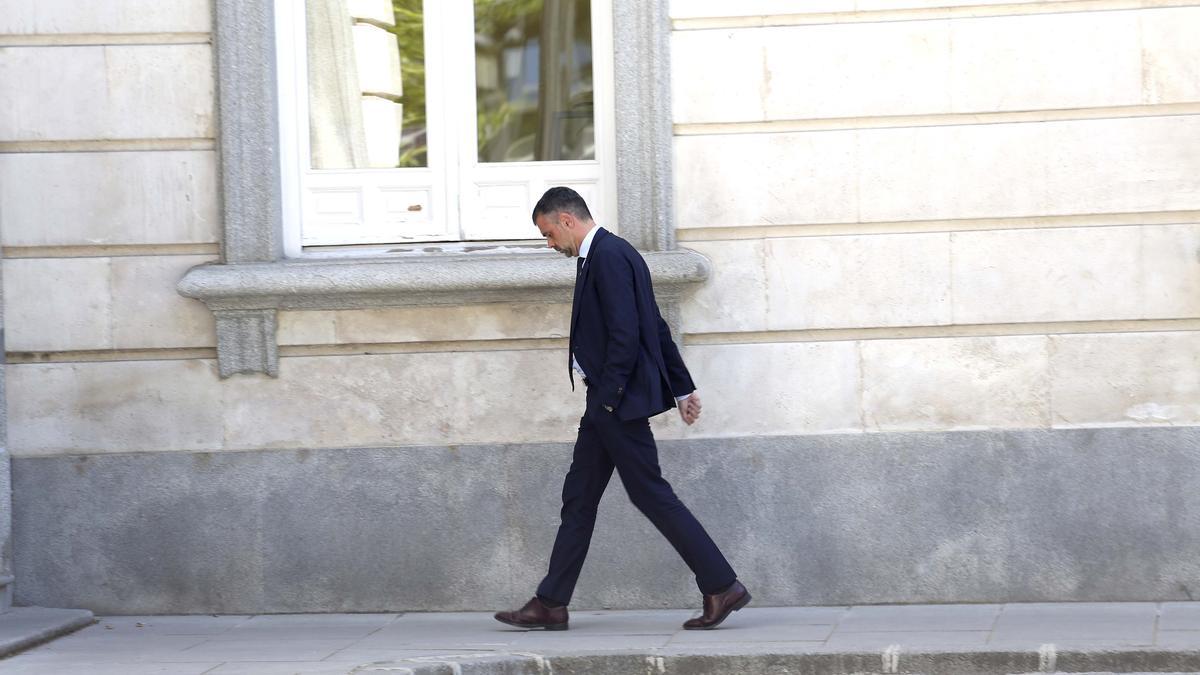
(622, 349)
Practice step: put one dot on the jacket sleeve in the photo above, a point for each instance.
(677, 372)
(618, 304)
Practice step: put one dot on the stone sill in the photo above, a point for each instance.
(245, 297)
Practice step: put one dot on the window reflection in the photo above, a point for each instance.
(533, 74)
(366, 77)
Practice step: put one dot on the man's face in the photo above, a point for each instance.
(560, 232)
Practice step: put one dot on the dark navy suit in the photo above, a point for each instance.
(634, 370)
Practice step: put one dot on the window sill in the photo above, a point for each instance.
(245, 297)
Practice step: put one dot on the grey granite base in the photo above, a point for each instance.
(996, 516)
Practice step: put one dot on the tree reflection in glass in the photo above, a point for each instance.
(533, 80)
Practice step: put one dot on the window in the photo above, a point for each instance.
(440, 120)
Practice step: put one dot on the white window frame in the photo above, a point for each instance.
(460, 198)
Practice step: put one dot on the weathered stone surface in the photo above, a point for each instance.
(789, 388)
(99, 198)
(734, 298)
(955, 383)
(974, 171)
(992, 516)
(57, 304)
(128, 91)
(858, 281)
(1076, 274)
(1169, 53)
(147, 311)
(404, 399)
(1125, 379)
(429, 324)
(119, 406)
(64, 304)
(48, 17)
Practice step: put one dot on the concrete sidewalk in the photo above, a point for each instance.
(959, 639)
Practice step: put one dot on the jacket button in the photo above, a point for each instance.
(607, 407)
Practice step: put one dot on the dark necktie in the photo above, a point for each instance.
(574, 313)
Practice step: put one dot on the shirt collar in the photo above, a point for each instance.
(587, 242)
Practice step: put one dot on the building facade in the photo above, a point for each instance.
(935, 267)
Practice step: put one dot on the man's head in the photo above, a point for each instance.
(563, 218)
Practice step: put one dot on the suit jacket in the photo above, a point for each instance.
(618, 335)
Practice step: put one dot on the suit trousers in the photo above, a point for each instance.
(605, 443)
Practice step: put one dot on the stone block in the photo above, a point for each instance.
(1112, 623)
(99, 198)
(468, 322)
(1076, 274)
(734, 298)
(48, 17)
(107, 92)
(992, 64)
(58, 304)
(766, 179)
(718, 76)
(148, 313)
(770, 389)
(1013, 170)
(1125, 379)
(1171, 273)
(1045, 61)
(1170, 54)
(858, 281)
(955, 383)
(307, 327)
(1141, 164)
(426, 324)
(935, 173)
(404, 399)
(117, 406)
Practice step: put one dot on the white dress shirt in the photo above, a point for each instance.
(583, 251)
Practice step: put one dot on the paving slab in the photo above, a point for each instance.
(1179, 616)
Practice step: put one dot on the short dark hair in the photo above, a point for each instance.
(562, 198)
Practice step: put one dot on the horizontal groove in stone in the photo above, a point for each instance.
(109, 250)
(951, 331)
(424, 347)
(937, 119)
(782, 231)
(921, 14)
(689, 339)
(103, 39)
(108, 145)
(108, 355)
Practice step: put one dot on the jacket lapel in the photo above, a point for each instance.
(580, 283)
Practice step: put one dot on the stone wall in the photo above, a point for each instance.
(929, 217)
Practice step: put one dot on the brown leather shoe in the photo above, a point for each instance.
(536, 615)
(718, 607)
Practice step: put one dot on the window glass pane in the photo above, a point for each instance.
(366, 83)
(533, 75)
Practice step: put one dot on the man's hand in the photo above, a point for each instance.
(689, 409)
